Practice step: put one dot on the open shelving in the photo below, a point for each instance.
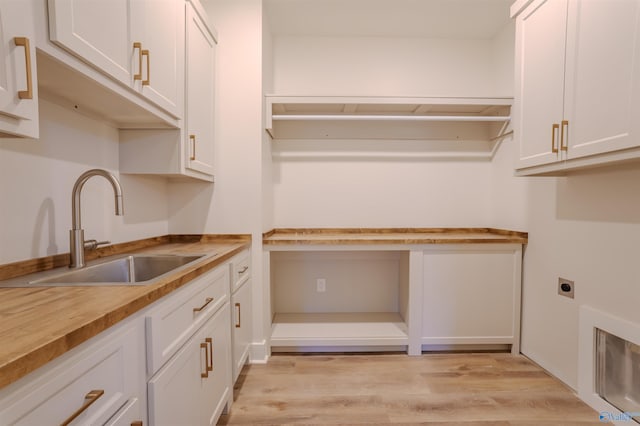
(471, 125)
(364, 306)
(302, 330)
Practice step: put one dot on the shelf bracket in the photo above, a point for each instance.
(498, 139)
(502, 133)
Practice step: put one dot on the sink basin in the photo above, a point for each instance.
(129, 270)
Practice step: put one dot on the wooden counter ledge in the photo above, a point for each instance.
(405, 236)
(40, 324)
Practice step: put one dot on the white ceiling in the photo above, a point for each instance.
(389, 18)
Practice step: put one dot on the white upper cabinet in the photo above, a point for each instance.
(137, 42)
(96, 31)
(577, 83)
(540, 51)
(188, 151)
(199, 89)
(602, 76)
(158, 25)
(18, 79)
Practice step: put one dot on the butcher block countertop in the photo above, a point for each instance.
(39, 324)
(403, 236)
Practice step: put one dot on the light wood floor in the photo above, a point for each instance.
(467, 389)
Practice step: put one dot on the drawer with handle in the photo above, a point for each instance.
(172, 322)
(89, 386)
(240, 269)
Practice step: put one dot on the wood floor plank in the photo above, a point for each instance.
(433, 389)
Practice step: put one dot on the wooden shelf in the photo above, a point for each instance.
(338, 329)
(478, 121)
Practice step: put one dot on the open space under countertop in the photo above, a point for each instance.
(404, 236)
(42, 323)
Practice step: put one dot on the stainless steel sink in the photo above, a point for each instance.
(130, 270)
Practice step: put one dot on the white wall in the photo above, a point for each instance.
(387, 192)
(37, 176)
(509, 208)
(379, 66)
(355, 281)
(502, 58)
(379, 193)
(584, 227)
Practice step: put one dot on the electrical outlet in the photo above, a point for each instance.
(566, 288)
(321, 285)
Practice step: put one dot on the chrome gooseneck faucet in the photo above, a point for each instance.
(76, 235)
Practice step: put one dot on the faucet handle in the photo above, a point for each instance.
(93, 244)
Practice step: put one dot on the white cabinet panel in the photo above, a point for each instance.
(195, 385)
(200, 86)
(159, 27)
(174, 391)
(129, 415)
(241, 326)
(97, 31)
(216, 389)
(18, 77)
(471, 296)
(241, 310)
(540, 51)
(603, 76)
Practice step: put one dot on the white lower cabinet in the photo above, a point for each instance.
(189, 359)
(129, 415)
(419, 298)
(176, 318)
(100, 382)
(241, 326)
(185, 341)
(195, 385)
(471, 296)
(241, 310)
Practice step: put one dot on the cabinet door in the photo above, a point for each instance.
(540, 55)
(200, 84)
(470, 296)
(194, 386)
(97, 32)
(216, 389)
(129, 415)
(174, 392)
(18, 79)
(159, 26)
(602, 76)
(241, 326)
